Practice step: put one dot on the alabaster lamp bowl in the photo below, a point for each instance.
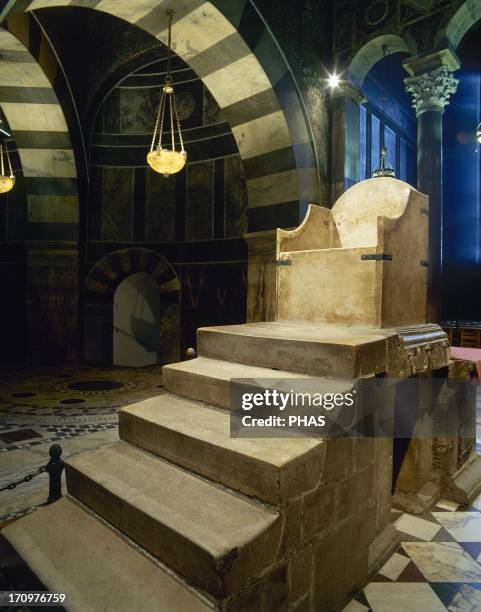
(166, 162)
(6, 183)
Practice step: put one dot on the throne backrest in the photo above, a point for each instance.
(357, 211)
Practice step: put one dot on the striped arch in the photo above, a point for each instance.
(39, 129)
(372, 52)
(229, 46)
(100, 285)
(104, 278)
(465, 17)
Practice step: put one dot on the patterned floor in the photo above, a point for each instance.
(47, 404)
(437, 567)
(76, 407)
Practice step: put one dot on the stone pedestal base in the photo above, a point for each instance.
(465, 485)
(382, 548)
(419, 502)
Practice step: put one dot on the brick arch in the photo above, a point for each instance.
(100, 284)
(232, 50)
(364, 58)
(39, 129)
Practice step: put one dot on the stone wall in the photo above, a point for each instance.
(328, 544)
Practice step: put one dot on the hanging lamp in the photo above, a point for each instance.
(478, 133)
(160, 158)
(7, 182)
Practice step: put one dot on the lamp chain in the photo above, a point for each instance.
(1, 156)
(168, 78)
(178, 124)
(8, 160)
(162, 112)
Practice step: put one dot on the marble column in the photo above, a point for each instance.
(261, 276)
(431, 84)
(345, 138)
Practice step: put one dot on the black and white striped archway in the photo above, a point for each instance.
(39, 129)
(229, 46)
(101, 283)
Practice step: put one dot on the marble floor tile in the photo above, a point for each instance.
(394, 566)
(467, 598)
(402, 597)
(355, 606)
(463, 526)
(477, 502)
(417, 527)
(443, 561)
(447, 504)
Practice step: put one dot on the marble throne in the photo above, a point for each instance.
(362, 263)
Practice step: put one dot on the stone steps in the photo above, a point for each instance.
(197, 438)
(316, 350)
(208, 380)
(72, 552)
(216, 540)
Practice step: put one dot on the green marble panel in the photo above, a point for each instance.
(160, 208)
(117, 204)
(235, 197)
(199, 205)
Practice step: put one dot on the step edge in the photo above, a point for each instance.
(204, 597)
(246, 500)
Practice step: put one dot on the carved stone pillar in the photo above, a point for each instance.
(431, 84)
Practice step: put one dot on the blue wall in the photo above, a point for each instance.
(386, 119)
(462, 200)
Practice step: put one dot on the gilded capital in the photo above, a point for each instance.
(431, 90)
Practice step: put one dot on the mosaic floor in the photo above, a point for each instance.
(76, 407)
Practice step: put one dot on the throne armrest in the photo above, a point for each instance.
(317, 231)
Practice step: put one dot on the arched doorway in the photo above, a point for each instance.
(126, 277)
(136, 321)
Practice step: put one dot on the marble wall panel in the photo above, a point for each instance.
(52, 304)
(235, 197)
(272, 189)
(111, 113)
(198, 30)
(29, 117)
(125, 9)
(138, 110)
(237, 81)
(95, 204)
(14, 209)
(160, 208)
(262, 135)
(223, 53)
(22, 74)
(53, 209)
(199, 204)
(211, 111)
(189, 97)
(58, 163)
(117, 204)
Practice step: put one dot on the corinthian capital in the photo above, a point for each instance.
(431, 90)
